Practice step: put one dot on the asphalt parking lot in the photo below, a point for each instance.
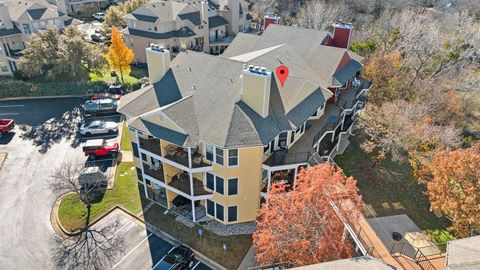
(144, 249)
(45, 136)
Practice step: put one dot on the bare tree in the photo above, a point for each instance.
(88, 183)
(89, 248)
(406, 132)
(320, 14)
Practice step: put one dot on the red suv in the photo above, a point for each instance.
(100, 148)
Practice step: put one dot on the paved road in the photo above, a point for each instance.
(143, 250)
(44, 138)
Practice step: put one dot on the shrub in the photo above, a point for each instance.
(10, 87)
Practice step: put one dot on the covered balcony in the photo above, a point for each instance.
(181, 156)
(154, 171)
(181, 182)
(151, 145)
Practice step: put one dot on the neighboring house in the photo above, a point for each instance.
(21, 18)
(179, 25)
(216, 132)
(463, 254)
(87, 7)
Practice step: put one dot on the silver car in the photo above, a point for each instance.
(98, 127)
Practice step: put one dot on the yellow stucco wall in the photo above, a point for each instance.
(248, 172)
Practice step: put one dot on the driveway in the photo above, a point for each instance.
(44, 137)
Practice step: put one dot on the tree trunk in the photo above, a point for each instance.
(87, 221)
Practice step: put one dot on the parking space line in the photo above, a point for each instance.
(8, 113)
(118, 263)
(11, 106)
(162, 258)
(113, 235)
(196, 265)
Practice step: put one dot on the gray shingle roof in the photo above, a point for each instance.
(216, 21)
(37, 13)
(145, 18)
(303, 45)
(183, 32)
(8, 32)
(347, 72)
(206, 103)
(158, 131)
(463, 254)
(194, 17)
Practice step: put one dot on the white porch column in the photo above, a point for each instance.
(193, 211)
(189, 157)
(191, 184)
(269, 179)
(295, 177)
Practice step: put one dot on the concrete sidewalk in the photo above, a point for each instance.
(249, 260)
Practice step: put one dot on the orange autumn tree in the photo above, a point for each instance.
(454, 188)
(119, 56)
(302, 226)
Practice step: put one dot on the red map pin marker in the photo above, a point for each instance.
(282, 74)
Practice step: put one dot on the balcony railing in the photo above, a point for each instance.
(180, 155)
(151, 145)
(326, 145)
(156, 173)
(182, 182)
(282, 157)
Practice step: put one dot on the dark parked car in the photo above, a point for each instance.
(100, 106)
(178, 258)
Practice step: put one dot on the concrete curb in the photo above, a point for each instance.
(41, 97)
(3, 157)
(58, 228)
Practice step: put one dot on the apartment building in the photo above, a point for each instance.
(200, 25)
(86, 7)
(18, 20)
(211, 134)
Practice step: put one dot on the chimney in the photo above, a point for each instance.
(256, 88)
(158, 62)
(342, 35)
(271, 19)
(5, 16)
(62, 6)
(204, 11)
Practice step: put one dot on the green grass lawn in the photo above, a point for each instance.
(396, 192)
(72, 212)
(209, 244)
(130, 79)
(125, 143)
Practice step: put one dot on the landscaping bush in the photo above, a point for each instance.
(10, 87)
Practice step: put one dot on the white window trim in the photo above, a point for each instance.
(228, 221)
(215, 211)
(228, 157)
(228, 185)
(215, 186)
(215, 156)
(215, 183)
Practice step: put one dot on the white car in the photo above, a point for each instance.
(99, 16)
(98, 127)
